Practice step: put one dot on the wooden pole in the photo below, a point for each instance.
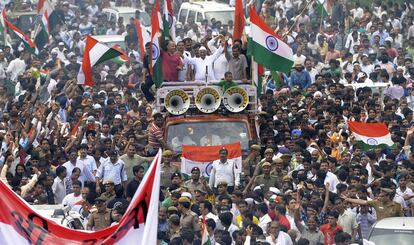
(296, 18)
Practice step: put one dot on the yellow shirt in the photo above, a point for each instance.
(239, 220)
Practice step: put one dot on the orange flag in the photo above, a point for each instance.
(238, 20)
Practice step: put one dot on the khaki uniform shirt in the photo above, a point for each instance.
(392, 209)
(166, 172)
(190, 221)
(100, 220)
(192, 186)
(266, 182)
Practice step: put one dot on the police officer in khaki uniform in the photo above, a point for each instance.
(266, 180)
(167, 169)
(101, 218)
(197, 182)
(109, 193)
(249, 164)
(278, 170)
(189, 219)
(384, 206)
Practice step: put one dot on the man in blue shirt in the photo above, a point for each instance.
(381, 33)
(300, 77)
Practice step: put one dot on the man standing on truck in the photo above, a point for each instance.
(224, 170)
(204, 64)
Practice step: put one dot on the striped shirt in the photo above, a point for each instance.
(155, 136)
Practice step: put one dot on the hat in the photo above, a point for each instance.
(54, 52)
(167, 153)
(61, 44)
(278, 160)
(195, 169)
(102, 92)
(184, 200)
(296, 132)
(175, 174)
(266, 164)
(109, 181)
(100, 199)
(255, 147)
(287, 178)
(172, 208)
(274, 190)
(118, 116)
(202, 48)
(355, 63)
(91, 119)
(222, 183)
(187, 194)
(269, 150)
(97, 106)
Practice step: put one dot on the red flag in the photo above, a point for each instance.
(143, 38)
(238, 20)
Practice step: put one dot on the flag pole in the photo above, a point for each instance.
(296, 18)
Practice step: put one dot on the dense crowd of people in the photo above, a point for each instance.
(304, 181)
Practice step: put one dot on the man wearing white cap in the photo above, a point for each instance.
(203, 65)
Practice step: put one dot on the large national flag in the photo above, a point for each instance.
(43, 34)
(371, 135)
(3, 27)
(155, 54)
(95, 53)
(238, 20)
(203, 157)
(53, 17)
(325, 6)
(157, 8)
(21, 224)
(143, 37)
(168, 21)
(267, 48)
(27, 41)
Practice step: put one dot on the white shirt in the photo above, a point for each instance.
(112, 171)
(333, 181)
(264, 221)
(282, 239)
(59, 189)
(16, 68)
(86, 174)
(407, 192)
(90, 163)
(70, 200)
(224, 172)
(201, 64)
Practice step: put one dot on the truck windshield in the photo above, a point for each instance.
(207, 134)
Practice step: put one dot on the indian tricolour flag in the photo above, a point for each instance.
(168, 21)
(203, 157)
(205, 237)
(95, 53)
(155, 54)
(267, 48)
(3, 27)
(371, 135)
(43, 33)
(325, 6)
(143, 37)
(28, 43)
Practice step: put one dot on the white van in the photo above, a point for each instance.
(126, 13)
(202, 10)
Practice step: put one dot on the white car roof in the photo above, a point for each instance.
(396, 223)
(122, 9)
(208, 6)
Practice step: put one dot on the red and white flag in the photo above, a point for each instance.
(20, 224)
(203, 157)
(143, 37)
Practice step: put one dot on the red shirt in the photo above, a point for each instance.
(329, 233)
(170, 62)
(155, 136)
(285, 222)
